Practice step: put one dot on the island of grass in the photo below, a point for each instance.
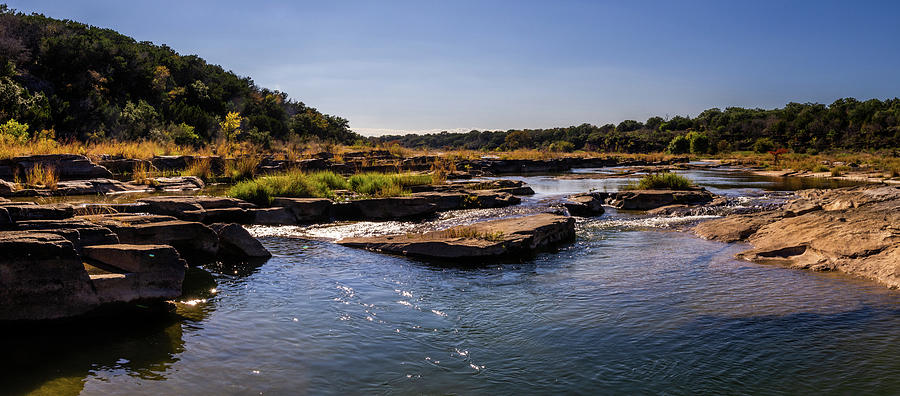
(325, 184)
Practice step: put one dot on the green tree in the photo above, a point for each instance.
(699, 142)
(679, 145)
(14, 131)
(516, 140)
(763, 145)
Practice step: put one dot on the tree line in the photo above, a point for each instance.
(84, 82)
(846, 124)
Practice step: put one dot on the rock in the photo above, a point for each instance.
(585, 205)
(21, 211)
(800, 207)
(42, 277)
(449, 200)
(86, 233)
(857, 231)
(236, 243)
(273, 216)
(385, 208)
(493, 199)
(136, 272)
(178, 183)
(305, 210)
(735, 228)
(203, 209)
(125, 165)
(181, 162)
(68, 166)
(7, 188)
(490, 239)
(651, 199)
(193, 240)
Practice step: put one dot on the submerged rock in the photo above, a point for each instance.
(490, 239)
(853, 230)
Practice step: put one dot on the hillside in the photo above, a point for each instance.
(86, 82)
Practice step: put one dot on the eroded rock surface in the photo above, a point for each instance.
(489, 239)
(585, 205)
(854, 230)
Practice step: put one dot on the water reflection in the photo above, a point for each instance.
(57, 359)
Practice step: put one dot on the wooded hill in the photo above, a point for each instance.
(86, 82)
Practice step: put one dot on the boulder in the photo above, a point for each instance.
(447, 200)
(236, 243)
(584, 205)
(651, 199)
(485, 240)
(42, 277)
(7, 188)
(385, 208)
(492, 199)
(136, 272)
(178, 183)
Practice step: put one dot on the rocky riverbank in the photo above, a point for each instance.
(852, 230)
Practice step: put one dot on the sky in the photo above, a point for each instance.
(426, 66)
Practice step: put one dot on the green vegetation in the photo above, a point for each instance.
(846, 124)
(263, 190)
(661, 181)
(91, 83)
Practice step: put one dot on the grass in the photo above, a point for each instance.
(471, 233)
(202, 168)
(242, 168)
(143, 174)
(42, 176)
(661, 181)
(263, 190)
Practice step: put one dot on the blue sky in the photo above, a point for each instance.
(458, 65)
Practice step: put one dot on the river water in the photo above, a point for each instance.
(635, 305)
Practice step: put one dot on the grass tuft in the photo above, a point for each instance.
(42, 176)
(661, 181)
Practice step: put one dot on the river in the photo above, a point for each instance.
(635, 305)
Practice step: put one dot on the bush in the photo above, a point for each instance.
(661, 181)
(562, 146)
(679, 145)
(253, 191)
(763, 145)
(14, 131)
(699, 142)
(242, 168)
(723, 147)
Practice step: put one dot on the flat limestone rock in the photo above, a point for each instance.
(138, 272)
(853, 230)
(385, 208)
(236, 242)
(485, 240)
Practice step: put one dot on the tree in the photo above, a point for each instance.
(14, 131)
(562, 146)
(763, 145)
(679, 145)
(231, 126)
(516, 140)
(699, 142)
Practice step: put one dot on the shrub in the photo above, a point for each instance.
(723, 146)
(661, 181)
(679, 145)
(699, 142)
(562, 146)
(184, 135)
(14, 131)
(763, 145)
